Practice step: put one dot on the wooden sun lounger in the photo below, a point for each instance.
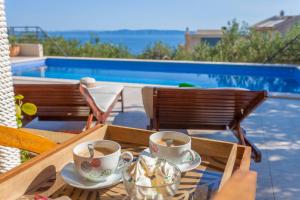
(68, 101)
(206, 109)
(55, 101)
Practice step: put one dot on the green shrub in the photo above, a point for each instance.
(239, 44)
(158, 51)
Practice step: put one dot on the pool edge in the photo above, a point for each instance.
(241, 64)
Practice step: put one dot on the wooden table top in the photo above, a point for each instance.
(189, 181)
(42, 174)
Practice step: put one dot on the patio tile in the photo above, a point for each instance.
(279, 146)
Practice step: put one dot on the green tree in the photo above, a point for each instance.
(290, 53)
(240, 43)
(158, 51)
(182, 54)
(243, 44)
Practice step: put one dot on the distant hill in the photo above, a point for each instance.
(123, 32)
(135, 40)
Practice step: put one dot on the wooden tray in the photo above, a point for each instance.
(41, 174)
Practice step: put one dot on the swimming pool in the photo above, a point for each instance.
(273, 78)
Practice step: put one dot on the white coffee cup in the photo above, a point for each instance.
(175, 154)
(98, 168)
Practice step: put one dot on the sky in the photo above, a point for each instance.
(142, 14)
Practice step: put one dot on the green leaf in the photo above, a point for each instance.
(25, 155)
(18, 111)
(29, 108)
(19, 97)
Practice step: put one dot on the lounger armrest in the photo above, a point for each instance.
(147, 95)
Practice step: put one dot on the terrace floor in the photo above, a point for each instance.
(274, 127)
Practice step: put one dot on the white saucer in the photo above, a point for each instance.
(185, 166)
(71, 177)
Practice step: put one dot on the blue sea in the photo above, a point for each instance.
(135, 40)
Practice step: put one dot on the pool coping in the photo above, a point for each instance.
(238, 64)
(29, 59)
(274, 95)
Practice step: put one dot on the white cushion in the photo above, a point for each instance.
(105, 95)
(147, 95)
(103, 101)
(106, 89)
(87, 80)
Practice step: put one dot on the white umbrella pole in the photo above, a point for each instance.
(9, 157)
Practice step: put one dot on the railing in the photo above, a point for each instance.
(35, 31)
(283, 48)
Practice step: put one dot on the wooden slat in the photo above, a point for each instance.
(65, 108)
(192, 123)
(55, 100)
(244, 158)
(198, 112)
(229, 166)
(207, 92)
(204, 121)
(132, 135)
(203, 108)
(212, 148)
(202, 104)
(191, 119)
(57, 137)
(63, 113)
(174, 113)
(210, 96)
(17, 138)
(194, 126)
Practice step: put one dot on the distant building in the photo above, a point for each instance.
(281, 24)
(211, 37)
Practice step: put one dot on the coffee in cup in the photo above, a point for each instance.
(169, 142)
(98, 151)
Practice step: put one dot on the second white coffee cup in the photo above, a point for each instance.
(176, 154)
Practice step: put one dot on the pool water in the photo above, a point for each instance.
(273, 78)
